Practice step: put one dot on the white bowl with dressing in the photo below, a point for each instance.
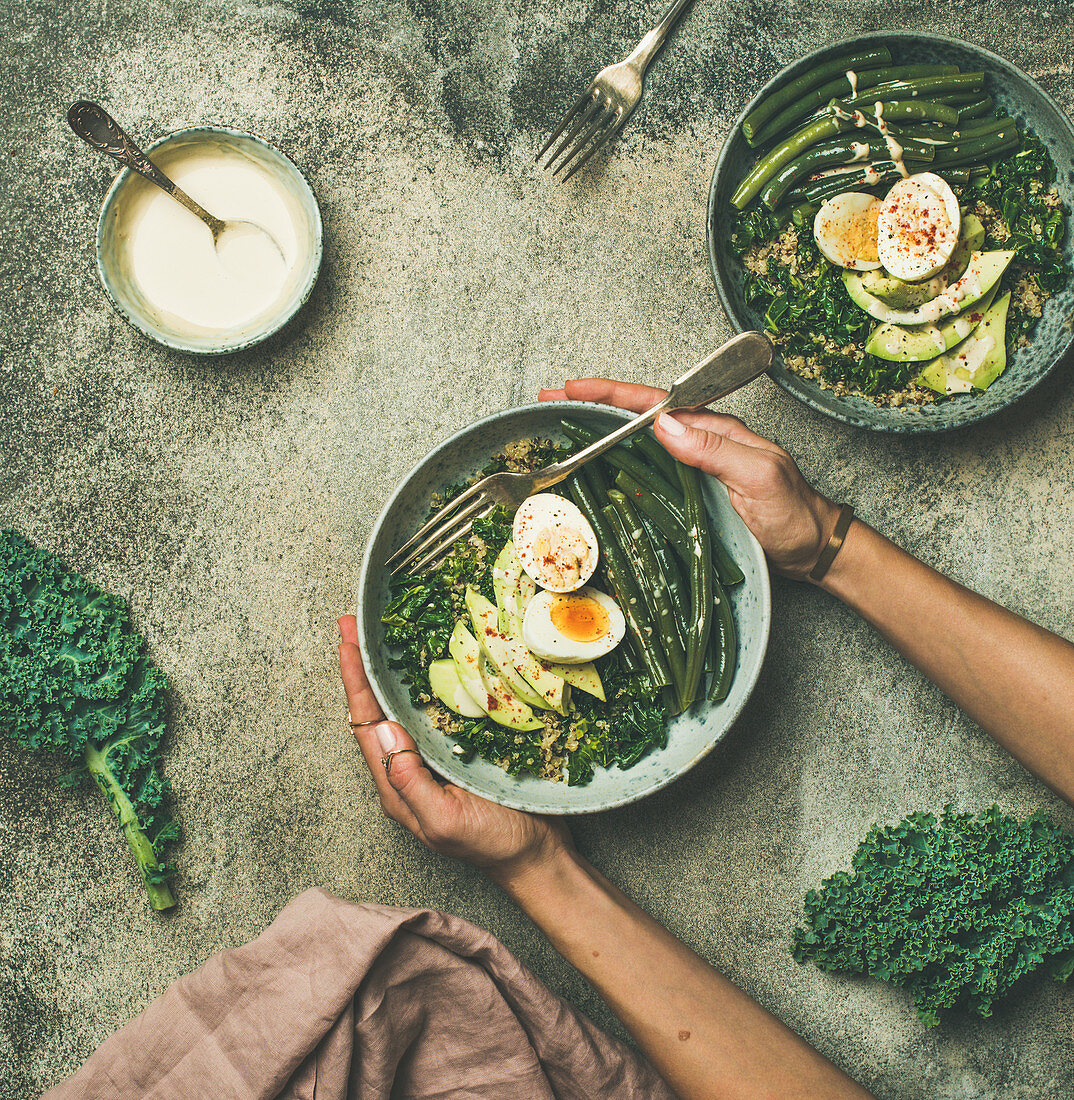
(157, 261)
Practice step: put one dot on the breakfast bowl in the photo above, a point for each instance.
(131, 266)
(1030, 107)
(691, 735)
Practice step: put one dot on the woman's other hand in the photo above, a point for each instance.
(504, 843)
(789, 518)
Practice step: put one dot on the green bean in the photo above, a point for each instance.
(961, 99)
(656, 455)
(976, 109)
(843, 150)
(926, 89)
(670, 565)
(666, 517)
(701, 580)
(655, 586)
(725, 646)
(955, 175)
(796, 88)
(628, 584)
(975, 129)
(782, 154)
(800, 214)
(622, 459)
(925, 132)
(584, 496)
(870, 175)
(670, 520)
(806, 105)
(965, 152)
(618, 573)
(899, 110)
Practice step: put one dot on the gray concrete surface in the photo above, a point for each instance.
(229, 500)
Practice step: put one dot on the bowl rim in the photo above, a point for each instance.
(764, 596)
(779, 372)
(317, 249)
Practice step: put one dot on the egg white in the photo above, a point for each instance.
(544, 639)
(918, 227)
(845, 230)
(555, 543)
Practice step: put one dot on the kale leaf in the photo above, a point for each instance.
(955, 909)
(74, 678)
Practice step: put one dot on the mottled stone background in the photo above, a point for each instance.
(229, 500)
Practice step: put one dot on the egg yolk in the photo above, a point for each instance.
(579, 618)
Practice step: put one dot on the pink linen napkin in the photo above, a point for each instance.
(338, 1001)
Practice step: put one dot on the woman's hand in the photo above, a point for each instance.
(790, 519)
(504, 843)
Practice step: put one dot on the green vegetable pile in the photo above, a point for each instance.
(670, 583)
(956, 909)
(810, 140)
(804, 309)
(74, 678)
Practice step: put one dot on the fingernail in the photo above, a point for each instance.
(386, 736)
(667, 423)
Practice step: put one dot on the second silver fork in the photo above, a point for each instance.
(600, 111)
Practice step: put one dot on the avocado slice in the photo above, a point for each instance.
(583, 677)
(978, 361)
(484, 686)
(447, 686)
(518, 667)
(982, 274)
(505, 573)
(917, 343)
(894, 292)
(466, 654)
(503, 707)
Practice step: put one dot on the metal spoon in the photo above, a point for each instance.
(96, 126)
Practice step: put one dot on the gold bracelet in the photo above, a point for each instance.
(827, 555)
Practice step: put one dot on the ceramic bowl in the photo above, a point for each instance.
(1031, 107)
(131, 304)
(691, 736)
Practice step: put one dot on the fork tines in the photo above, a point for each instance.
(436, 538)
(592, 120)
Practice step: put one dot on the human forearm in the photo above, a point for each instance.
(1015, 679)
(704, 1035)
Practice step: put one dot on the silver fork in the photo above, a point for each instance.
(739, 361)
(605, 105)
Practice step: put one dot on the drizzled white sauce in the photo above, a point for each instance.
(894, 148)
(860, 150)
(852, 80)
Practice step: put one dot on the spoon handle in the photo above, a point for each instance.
(96, 126)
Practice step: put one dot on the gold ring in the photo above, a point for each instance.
(386, 759)
(362, 725)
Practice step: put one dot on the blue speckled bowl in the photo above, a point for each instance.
(1030, 106)
(691, 736)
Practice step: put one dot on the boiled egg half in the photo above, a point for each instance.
(555, 543)
(571, 628)
(845, 230)
(917, 227)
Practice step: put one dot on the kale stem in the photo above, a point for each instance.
(160, 896)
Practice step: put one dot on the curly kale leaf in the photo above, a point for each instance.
(74, 678)
(955, 910)
(1018, 189)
